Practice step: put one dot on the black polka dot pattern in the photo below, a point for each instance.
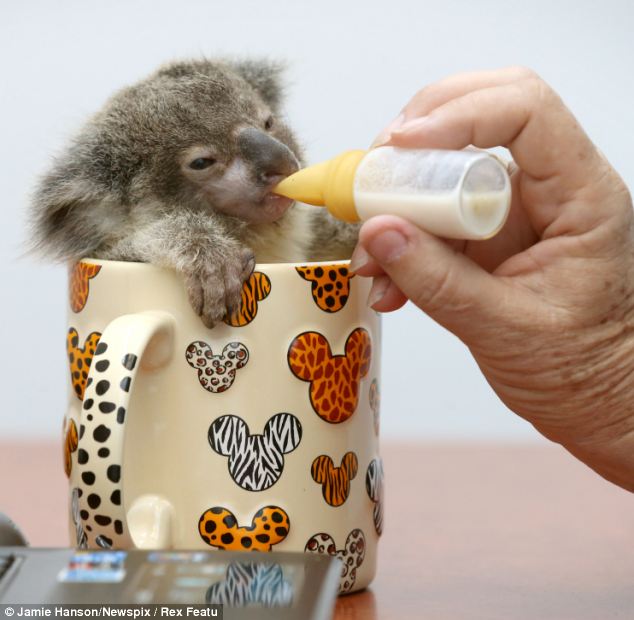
(102, 387)
(101, 433)
(129, 361)
(107, 407)
(114, 473)
(99, 474)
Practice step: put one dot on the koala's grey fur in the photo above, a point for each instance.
(125, 188)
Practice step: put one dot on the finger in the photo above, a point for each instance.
(438, 93)
(445, 284)
(369, 269)
(362, 264)
(385, 296)
(454, 86)
(528, 118)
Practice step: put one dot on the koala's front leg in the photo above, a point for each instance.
(212, 261)
(214, 281)
(332, 239)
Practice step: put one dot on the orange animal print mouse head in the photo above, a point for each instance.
(79, 282)
(335, 481)
(71, 442)
(330, 286)
(80, 359)
(254, 290)
(219, 528)
(334, 379)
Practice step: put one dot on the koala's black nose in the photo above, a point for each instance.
(271, 159)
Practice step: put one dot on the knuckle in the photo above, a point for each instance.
(439, 292)
(539, 90)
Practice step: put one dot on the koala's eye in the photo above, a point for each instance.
(268, 123)
(200, 163)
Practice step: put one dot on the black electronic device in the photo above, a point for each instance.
(249, 585)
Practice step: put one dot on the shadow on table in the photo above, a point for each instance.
(361, 605)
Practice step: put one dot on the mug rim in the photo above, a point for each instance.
(258, 266)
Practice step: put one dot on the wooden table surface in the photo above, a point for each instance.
(472, 531)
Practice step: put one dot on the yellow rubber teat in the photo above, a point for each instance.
(328, 184)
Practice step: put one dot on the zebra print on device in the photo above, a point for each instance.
(255, 462)
(248, 583)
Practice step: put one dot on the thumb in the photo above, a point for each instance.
(445, 284)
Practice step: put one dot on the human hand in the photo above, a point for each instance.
(547, 306)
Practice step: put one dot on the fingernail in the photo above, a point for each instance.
(387, 246)
(384, 136)
(380, 284)
(359, 258)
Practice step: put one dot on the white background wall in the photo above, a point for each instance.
(353, 65)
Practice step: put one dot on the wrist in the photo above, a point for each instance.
(597, 406)
(577, 390)
(613, 460)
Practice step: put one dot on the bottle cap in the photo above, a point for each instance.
(329, 184)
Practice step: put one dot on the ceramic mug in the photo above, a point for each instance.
(258, 434)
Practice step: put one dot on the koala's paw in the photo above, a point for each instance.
(214, 287)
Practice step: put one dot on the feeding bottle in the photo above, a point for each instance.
(454, 194)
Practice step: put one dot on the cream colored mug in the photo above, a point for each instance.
(258, 434)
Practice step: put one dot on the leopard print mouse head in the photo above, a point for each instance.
(216, 373)
(219, 528)
(330, 286)
(351, 556)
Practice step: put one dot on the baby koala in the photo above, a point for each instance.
(177, 170)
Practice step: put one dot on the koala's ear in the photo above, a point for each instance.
(350, 464)
(321, 468)
(228, 434)
(265, 77)
(284, 431)
(61, 214)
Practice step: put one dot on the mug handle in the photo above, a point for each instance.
(145, 339)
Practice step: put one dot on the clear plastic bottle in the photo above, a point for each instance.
(454, 194)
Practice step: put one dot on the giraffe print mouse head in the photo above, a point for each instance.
(334, 379)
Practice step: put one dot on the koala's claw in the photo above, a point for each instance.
(215, 289)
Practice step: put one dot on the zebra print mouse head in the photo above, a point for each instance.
(255, 462)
